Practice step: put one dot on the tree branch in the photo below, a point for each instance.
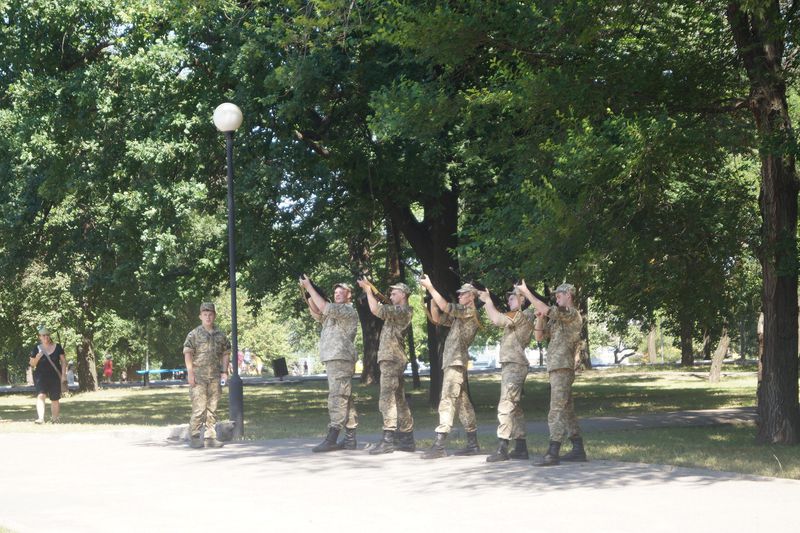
(88, 56)
(314, 145)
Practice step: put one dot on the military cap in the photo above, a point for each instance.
(208, 306)
(401, 287)
(566, 287)
(345, 286)
(468, 287)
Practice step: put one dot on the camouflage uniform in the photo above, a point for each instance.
(516, 337)
(209, 348)
(338, 352)
(392, 361)
(463, 322)
(563, 330)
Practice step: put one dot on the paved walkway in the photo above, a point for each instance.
(133, 480)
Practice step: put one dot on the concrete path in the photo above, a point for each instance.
(136, 480)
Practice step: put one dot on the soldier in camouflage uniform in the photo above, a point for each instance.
(206, 351)
(517, 327)
(397, 421)
(337, 351)
(462, 319)
(561, 326)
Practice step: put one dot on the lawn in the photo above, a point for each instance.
(291, 409)
(298, 409)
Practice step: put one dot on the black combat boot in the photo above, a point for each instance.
(472, 447)
(349, 440)
(404, 441)
(551, 457)
(196, 442)
(329, 444)
(520, 450)
(501, 454)
(577, 454)
(437, 448)
(386, 445)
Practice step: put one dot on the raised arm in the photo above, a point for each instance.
(374, 306)
(497, 318)
(441, 303)
(539, 305)
(316, 303)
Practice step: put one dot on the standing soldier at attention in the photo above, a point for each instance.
(397, 420)
(462, 319)
(206, 352)
(337, 351)
(561, 325)
(517, 327)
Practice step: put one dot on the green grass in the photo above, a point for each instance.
(727, 448)
(730, 448)
(288, 410)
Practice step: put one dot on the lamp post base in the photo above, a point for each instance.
(236, 404)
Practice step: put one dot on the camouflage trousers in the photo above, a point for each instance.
(509, 411)
(205, 395)
(454, 399)
(392, 401)
(561, 418)
(341, 410)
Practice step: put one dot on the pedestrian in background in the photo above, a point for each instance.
(49, 370)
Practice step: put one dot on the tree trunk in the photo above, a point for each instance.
(87, 364)
(687, 350)
(584, 356)
(371, 325)
(433, 240)
(395, 264)
(759, 38)
(706, 345)
(371, 333)
(652, 352)
(719, 355)
(4, 375)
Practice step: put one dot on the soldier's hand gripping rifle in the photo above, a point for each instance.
(426, 299)
(304, 293)
(380, 296)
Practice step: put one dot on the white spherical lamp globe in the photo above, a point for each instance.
(227, 117)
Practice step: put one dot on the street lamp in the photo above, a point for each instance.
(227, 119)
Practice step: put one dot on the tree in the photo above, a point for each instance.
(89, 174)
(762, 31)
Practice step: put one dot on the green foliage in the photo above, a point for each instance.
(594, 141)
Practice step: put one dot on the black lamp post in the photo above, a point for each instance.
(227, 119)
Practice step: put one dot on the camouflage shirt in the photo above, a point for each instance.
(517, 336)
(339, 325)
(563, 332)
(208, 349)
(396, 319)
(463, 322)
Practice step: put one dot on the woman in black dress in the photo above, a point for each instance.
(49, 367)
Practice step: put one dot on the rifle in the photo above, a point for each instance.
(375, 291)
(304, 293)
(426, 299)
